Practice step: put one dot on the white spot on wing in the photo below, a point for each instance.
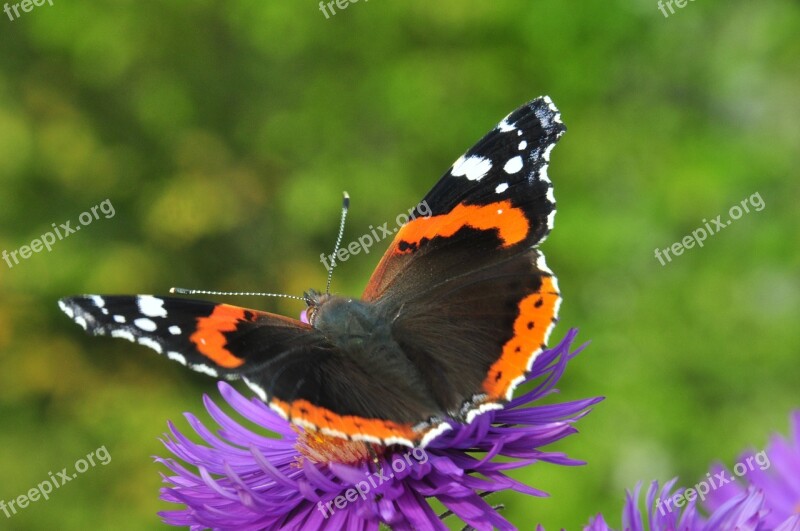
(557, 117)
(556, 306)
(275, 408)
(523, 145)
(174, 330)
(535, 355)
(473, 168)
(387, 442)
(483, 408)
(514, 383)
(147, 342)
(502, 187)
(541, 264)
(304, 423)
(550, 196)
(145, 324)
(66, 309)
(551, 217)
(552, 107)
(176, 356)
(98, 300)
(555, 287)
(119, 318)
(80, 321)
(262, 395)
(435, 432)
(513, 165)
(543, 174)
(205, 369)
(124, 334)
(336, 433)
(151, 306)
(504, 126)
(547, 151)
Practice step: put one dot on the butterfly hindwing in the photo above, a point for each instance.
(286, 362)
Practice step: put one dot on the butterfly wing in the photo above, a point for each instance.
(215, 339)
(287, 363)
(474, 299)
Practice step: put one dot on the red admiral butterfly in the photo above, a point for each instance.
(450, 322)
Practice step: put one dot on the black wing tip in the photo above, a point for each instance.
(71, 307)
(545, 112)
(66, 304)
(79, 308)
(544, 101)
(72, 302)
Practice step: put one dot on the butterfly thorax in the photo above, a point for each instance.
(369, 353)
(346, 321)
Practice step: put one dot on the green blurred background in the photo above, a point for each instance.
(224, 132)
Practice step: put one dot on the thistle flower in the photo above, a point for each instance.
(762, 493)
(245, 479)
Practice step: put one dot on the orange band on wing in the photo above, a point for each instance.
(536, 312)
(210, 338)
(511, 224)
(322, 418)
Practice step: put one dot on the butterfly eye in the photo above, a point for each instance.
(310, 314)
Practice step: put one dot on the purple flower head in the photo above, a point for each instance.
(742, 512)
(244, 479)
(762, 493)
(775, 472)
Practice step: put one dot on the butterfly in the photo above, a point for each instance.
(449, 324)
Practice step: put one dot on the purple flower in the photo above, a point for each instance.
(245, 478)
(741, 513)
(762, 493)
(775, 472)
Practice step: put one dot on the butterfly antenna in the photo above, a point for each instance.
(345, 206)
(185, 291)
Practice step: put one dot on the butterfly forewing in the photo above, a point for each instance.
(499, 187)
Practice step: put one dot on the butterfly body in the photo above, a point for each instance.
(361, 333)
(451, 321)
